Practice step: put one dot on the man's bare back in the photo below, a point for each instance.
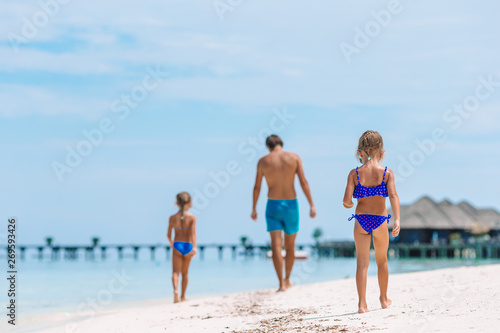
(279, 168)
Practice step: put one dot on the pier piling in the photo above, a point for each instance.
(40, 252)
(120, 252)
(153, 250)
(55, 253)
(136, 252)
(103, 252)
(221, 252)
(202, 252)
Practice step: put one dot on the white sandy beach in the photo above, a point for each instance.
(448, 300)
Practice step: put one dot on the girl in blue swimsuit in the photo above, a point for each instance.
(371, 184)
(184, 243)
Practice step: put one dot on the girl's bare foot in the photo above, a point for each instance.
(363, 308)
(176, 298)
(183, 299)
(288, 284)
(385, 302)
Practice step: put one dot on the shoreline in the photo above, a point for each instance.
(451, 299)
(298, 275)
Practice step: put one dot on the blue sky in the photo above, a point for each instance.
(226, 80)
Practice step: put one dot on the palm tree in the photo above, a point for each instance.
(95, 241)
(244, 240)
(49, 241)
(317, 235)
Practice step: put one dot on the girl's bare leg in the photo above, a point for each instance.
(186, 260)
(381, 244)
(363, 241)
(176, 270)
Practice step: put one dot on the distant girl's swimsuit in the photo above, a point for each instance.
(367, 221)
(183, 247)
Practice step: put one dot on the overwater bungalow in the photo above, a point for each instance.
(429, 222)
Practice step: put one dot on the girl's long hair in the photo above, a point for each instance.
(372, 144)
(183, 199)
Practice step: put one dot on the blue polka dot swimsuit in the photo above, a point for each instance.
(367, 221)
(361, 191)
(370, 222)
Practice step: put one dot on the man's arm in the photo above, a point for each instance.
(256, 189)
(305, 187)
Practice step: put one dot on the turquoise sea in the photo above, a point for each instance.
(69, 286)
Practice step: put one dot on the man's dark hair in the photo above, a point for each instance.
(273, 141)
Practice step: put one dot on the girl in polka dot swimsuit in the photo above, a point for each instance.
(365, 185)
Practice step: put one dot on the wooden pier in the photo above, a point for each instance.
(126, 251)
(332, 250)
(472, 251)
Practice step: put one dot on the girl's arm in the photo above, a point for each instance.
(349, 190)
(169, 233)
(193, 235)
(394, 199)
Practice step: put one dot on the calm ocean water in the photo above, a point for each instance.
(69, 286)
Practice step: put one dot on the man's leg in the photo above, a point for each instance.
(290, 257)
(276, 246)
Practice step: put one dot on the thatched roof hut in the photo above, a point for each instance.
(425, 217)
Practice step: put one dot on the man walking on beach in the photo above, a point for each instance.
(279, 168)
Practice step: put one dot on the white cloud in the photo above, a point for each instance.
(292, 72)
(19, 100)
(251, 56)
